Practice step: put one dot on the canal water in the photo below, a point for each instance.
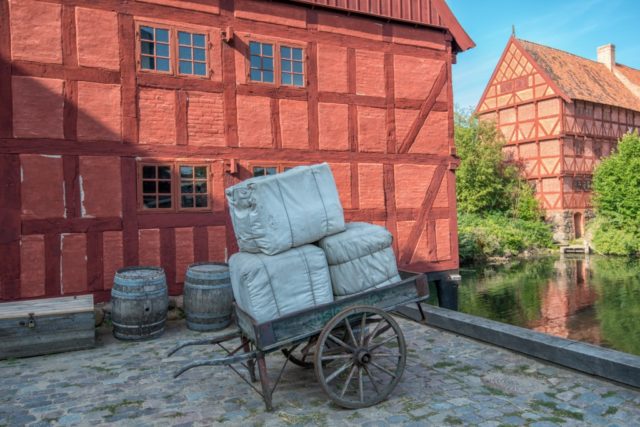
(592, 299)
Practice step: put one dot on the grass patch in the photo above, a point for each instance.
(439, 365)
(409, 405)
(497, 392)
(115, 406)
(610, 410)
(463, 369)
(315, 418)
(174, 415)
(557, 412)
(101, 369)
(608, 394)
(556, 420)
(551, 394)
(453, 420)
(356, 415)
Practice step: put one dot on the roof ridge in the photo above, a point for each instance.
(563, 51)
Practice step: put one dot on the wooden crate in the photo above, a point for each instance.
(52, 325)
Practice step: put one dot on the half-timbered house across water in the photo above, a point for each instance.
(560, 113)
(122, 123)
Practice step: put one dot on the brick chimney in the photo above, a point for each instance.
(607, 55)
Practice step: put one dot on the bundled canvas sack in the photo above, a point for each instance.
(360, 258)
(275, 213)
(267, 287)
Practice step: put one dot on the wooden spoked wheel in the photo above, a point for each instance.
(301, 355)
(360, 357)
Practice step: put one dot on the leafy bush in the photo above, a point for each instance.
(616, 185)
(486, 181)
(481, 237)
(498, 212)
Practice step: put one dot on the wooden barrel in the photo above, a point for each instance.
(208, 296)
(139, 303)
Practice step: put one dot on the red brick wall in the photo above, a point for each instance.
(377, 105)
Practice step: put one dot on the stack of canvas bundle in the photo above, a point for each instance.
(360, 258)
(279, 271)
(275, 213)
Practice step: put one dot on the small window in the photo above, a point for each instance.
(154, 49)
(265, 170)
(262, 69)
(193, 187)
(192, 55)
(292, 73)
(578, 148)
(174, 187)
(156, 187)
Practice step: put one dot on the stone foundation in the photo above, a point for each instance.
(563, 224)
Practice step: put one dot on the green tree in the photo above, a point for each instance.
(497, 209)
(486, 182)
(616, 186)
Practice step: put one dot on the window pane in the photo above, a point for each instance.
(285, 52)
(201, 172)
(186, 201)
(164, 172)
(164, 187)
(162, 50)
(148, 187)
(267, 64)
(258, 171)
(286, 66)
(149, 201)
(164, 202)
(272, 171)
(198, 40)
(186, 171)
(200, 69)
(148, 171)
(202, 202)
(256, 75)
(201, 187)
(162, 64)
(267, 76)
(255, 62)
(185, 67)
(184, 38)
(146, 33)
(147, 63)
(267, 49)
(199, 55)
(297, 67)
(147, 47)
(185, 52)
(254, 48)
(297, 54)
(286, 79)
(186, 187)
(162, 35)
(298, 80)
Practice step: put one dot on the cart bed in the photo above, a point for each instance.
(293, 327)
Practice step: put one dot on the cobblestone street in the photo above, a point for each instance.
(449, 380)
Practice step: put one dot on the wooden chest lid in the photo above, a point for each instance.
(47, 306)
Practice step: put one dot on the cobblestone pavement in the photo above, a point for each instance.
(449, 380)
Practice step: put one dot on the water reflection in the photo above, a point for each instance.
(591, 299)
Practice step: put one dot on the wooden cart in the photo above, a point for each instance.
(357, 349)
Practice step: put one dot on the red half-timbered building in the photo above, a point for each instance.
(122, 122)
(560, 113)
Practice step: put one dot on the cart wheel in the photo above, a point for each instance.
(364, 368)
(302, 357)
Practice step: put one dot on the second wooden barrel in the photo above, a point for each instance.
(208, 296)
(139, 303)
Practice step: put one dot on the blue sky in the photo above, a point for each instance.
(576, 26)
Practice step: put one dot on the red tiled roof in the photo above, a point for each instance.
(423, 12)
(583, 79)
(630, 73)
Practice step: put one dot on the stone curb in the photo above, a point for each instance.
(610, 364)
